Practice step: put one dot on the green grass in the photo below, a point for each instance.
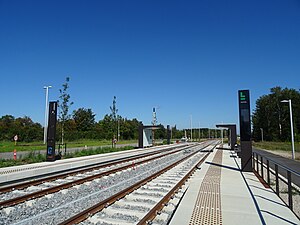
(284, 146)
(6, 146)
(96, 151)
(24, 146)
(32, 157)
(35, 156)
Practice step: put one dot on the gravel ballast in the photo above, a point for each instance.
(62, 205)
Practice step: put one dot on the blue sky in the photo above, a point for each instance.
(185, 57)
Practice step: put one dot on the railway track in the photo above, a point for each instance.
(144, 200)
(86, 168)
(51, 204)
(20, 193)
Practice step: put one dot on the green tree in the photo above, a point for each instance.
(272, 116)
(106, 126)
(161, 133)
(64, 105)
(114, 116)
(27, 130)
(7, 127)
(24, 127)
(84, 119)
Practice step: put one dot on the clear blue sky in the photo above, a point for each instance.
(186, 57)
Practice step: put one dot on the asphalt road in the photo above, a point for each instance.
(289, 163)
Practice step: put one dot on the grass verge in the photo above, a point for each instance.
(283, 146)
(35, 157)
(7, 146)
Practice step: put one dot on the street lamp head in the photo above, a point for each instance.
(284, 101)
(45, 87)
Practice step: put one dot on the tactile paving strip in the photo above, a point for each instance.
(207, 209)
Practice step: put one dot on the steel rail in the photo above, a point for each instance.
(20, 199)
(80, 170)
(161, 204)
(109, 201)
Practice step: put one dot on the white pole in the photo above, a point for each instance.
(46, 113)
(199, 133)
(118, 129)
(262, 134)
(191, 130)
(292, 129)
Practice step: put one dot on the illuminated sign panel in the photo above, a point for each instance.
(242, 96)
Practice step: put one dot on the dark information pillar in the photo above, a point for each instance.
(168, 135)
(51, 132)
(141, 136)
(245, 130)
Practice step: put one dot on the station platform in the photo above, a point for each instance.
(219, 193)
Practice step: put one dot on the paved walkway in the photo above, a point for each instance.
(220, 194)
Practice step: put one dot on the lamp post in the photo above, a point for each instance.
(118, 129)
(46, 112)
(191, 130)
(262, 134)
(199, 133)
(292, 126)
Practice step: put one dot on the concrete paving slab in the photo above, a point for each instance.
(244, 199)
(273, 210)
(185, 209)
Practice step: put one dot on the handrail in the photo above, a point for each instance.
(287, 178)
(282, 166)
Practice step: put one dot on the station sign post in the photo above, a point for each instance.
(245, 130)
(168, 135)
(51, 132)
(141, 137)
